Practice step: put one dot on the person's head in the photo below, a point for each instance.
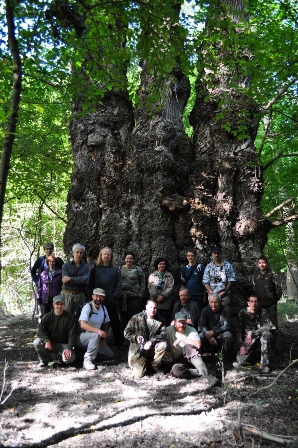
(105, 257)
(151, 308)
(51, 261)
(191, 256)
(160, 264)
(214, 301)
(262, 263)
(253, 304)
(129, 258)
(48, 248)
(184, 295)
(180, 322)
(98, 296)
(216, 253)
(58, 304)
(78, 251)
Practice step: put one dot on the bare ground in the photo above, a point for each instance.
(70, 407)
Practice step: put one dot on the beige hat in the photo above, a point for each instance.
(99, 292)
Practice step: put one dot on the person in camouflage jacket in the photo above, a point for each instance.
(253, 331)
(146, 333)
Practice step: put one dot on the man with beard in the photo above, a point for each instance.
(219, 276)
(94, 320)
(56, 334)
(146, 333)
(189, 307)
(184, 344)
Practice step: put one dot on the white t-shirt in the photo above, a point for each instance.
(97, 317)
(189, 333)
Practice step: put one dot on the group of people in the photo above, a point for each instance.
(200, 322)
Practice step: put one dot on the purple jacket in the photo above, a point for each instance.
(47, 289)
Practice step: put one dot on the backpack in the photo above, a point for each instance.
(77, 313)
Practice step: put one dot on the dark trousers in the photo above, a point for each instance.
(115, 324)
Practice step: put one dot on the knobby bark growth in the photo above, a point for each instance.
(140, 183)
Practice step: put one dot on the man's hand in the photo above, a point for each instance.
(248, 340)
(159, 298)
(48, 345)
(189, 321)
(221, 294)
(65, 279)
(148, 345)
(66, 354)
(139, 339)
(243, 350)
(102, 333)
(212, 341)
(209, 334)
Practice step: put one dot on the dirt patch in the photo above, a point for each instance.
(70, 407)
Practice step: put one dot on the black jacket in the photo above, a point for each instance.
(193, 309)
(265, 288)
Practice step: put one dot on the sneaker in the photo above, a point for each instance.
(265, 369)
(237, 365)
(88, 364)
(42, 364)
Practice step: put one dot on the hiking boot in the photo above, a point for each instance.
(265, 369)
(88, 364)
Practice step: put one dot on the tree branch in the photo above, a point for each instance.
(278, 207)
(273, 382)
(278, 156)
(282, 221)
(280, 93)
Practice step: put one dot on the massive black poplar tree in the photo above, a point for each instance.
(140, 182)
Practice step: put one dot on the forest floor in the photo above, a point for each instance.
(71, 407)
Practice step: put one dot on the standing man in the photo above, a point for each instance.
(253, 332)
(75, 277)
(56, 334)
(146, 333)
(216, 327)
(104, 275)
(266, 291)
(219, 276)
(94, 320)
(184, 344)
(189, 307)
(192, 279)
(41, 264)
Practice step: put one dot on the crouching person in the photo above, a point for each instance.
(146, 333)
(56, 334)
(254, 333)
(94, 320)
(184, 344)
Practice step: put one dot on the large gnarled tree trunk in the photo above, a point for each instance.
(139, 182)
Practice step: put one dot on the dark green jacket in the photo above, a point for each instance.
(58, 329)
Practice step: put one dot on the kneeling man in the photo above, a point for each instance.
(56, 334)
(184, 344)
(253, 332)
(146, 333)
(94, 317)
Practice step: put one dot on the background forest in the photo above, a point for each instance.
(70, 56)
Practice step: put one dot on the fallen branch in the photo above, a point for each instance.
(265, 435)
(273, 382)
(3, 385)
